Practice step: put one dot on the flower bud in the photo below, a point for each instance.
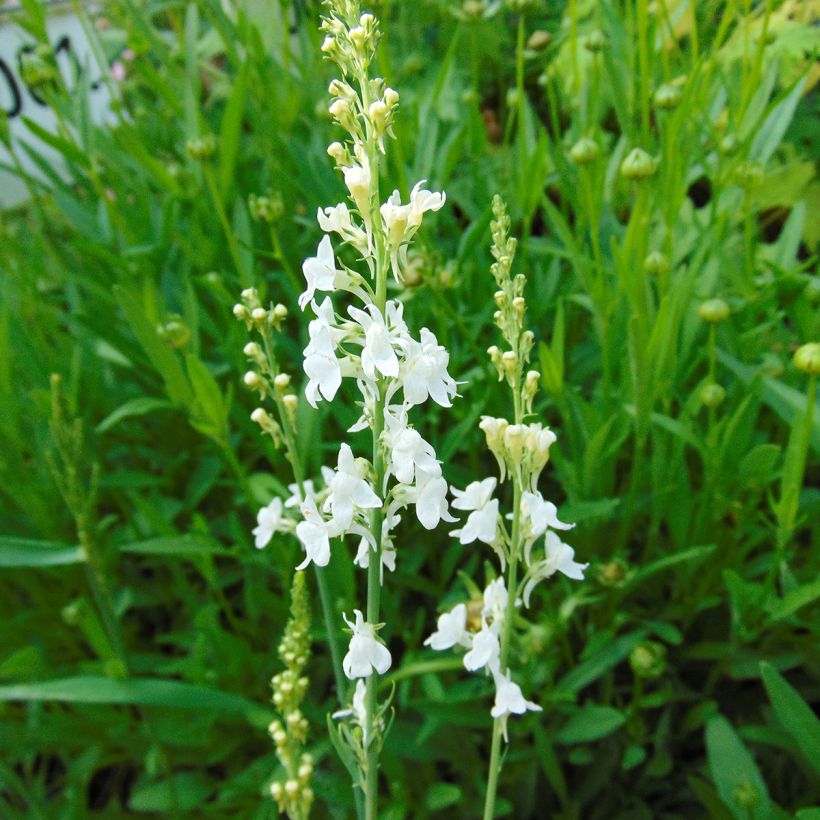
(509, 361)
(291, 788)
(259, 315)
(595, 42)
(713, 310)
(712, 395)
(667, 96)
(539, 40)
(584, 151)
(261, 417)
(500, 298)
(241, 312)
(337, 152)
(252, 350)
(253, 380)
(648, 660)
(613, 573)
(390, 97)
(807, 358)
(638, 165)
(514, 438)
(519, 306)
(281, 382)
(291, 402)
(201, 148)
(276, 790)
(656, 264)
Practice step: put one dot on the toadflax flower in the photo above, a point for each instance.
(509, 700)
(482, 523)
(452, 630)
(485, 650)
(269, 520)
(560, 557)
(431, 499)
(349, 490)
(378, 352)
(424, 371)
(366, 652)
(321, 365)
(320, 272)
(314, 533)
(537, 515)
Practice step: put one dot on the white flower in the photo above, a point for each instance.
(452, 630)
(321, 365)
(365, 653)
(425, 371)
(337, 219)
(368, 543)
(431, 499)
(357, 709)
(482, 523)
(509, 700)
(268, 519)
(320, 272)
(408, 451)
(486, 650)
(314, 533)
(296, 492)
(377, 352)
(495, 600)
(357, 179)
(537, 516)
(560, 557)
(349, 490)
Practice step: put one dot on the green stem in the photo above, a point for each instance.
(642, 16)
(219, 205)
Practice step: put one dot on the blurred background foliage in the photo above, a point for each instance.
(140, 624)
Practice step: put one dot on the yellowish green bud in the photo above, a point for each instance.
(713, 310)
(539, 40)
(638, 165)
(807, 358)
(656, 264)
(667, 96)
(584, 151)
(712, 395)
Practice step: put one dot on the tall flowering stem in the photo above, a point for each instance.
(392, 370)
(522, 451)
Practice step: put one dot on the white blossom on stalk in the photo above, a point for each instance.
(536, 516)
(300, 493)
(349, 490)
(269, 520)
(509, 700)
(560, 557)
(315, 533)
(357, 179)
(451, 631)
(424, 371)
(407, 450)
(321, 365)
(495, 600)
(320, 272)
(337, 219)
(486, 649)
(431, 499)
(366, 653)
(380, 336)
(482, 523)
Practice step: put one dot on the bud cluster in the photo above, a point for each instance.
(294, 796)
(201, 148)
(521, 450)
(265, 377)
(266, 208)
(351, 39)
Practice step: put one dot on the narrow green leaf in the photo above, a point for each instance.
(176, 545)
(590, 723)
(29, 552)
(133, 407)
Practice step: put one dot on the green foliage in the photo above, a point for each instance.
(140, 623)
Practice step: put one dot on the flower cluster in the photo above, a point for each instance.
(522, 451)
(294, 796)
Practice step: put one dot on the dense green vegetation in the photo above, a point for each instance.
(140, 624)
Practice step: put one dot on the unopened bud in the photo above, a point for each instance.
(253, 380)
(807, 358)
(712, 395)
(514, 437)
(667, 96)
(276, 790)
(509, 361)
(252, 350)
(241, 312)
(519, 305)
(539, 40)
(713, 310)
(259, 315)
(584, 151)
(638, 165)
(391, 97)
(656, 264)
(291, 788)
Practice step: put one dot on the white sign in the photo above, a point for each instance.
(74, 55)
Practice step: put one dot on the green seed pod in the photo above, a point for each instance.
(539, 40)
(712, 395)
(584, 151)
(807, 358)
(638, 165)
(713, 310)
(656, 264)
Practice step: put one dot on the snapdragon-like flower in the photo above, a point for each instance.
(509, 700)
(378, 352)
(269, 520)
(482, 523)
(408, 451)
(357, 179)
(537, 515)
(349, 490)
(299, 493)
(366, 652)
(424, 371)
(320, 272)
(315, 533)
(452, 630)
(431, 499)
(560, 557)
(486, 649)
(321, 365)
(337, 220)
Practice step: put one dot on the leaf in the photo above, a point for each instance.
(774, 126)
(231, 130)
(182, 792)
(29, 552)
(176, 545)
(756, 468)
(734, 771)
(589, 723)
(795, 599)
(793, 714)
(692, 554)
(442, 795)
(209, 413)
(139, 406)
(592, 669)
(139, 691)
